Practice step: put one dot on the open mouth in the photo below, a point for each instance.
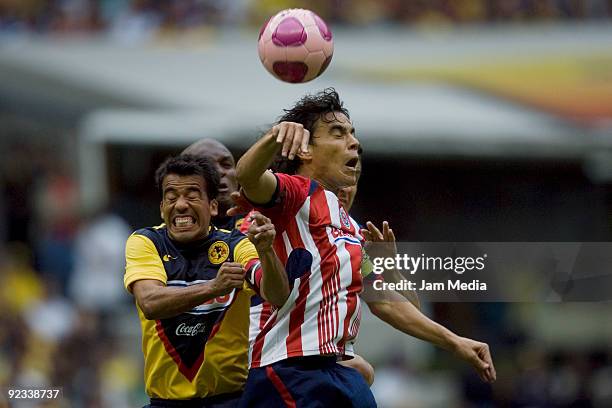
(183, 221)
(352, 163)
(223, 187)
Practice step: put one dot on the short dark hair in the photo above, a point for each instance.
(307, 111)
(190, 165)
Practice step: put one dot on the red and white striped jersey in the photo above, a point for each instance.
(320, 246)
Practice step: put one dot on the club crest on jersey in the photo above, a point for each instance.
(344, 218)
(218, 252)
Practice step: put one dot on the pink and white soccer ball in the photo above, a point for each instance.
(295, 45)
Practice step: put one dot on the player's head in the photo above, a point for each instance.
(346, 195)
(189, 186)
(225, 165)
(332, 152)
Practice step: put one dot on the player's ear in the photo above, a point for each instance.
(161, 209)
(306, 156)
(214, 208)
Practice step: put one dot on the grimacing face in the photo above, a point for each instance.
(185, 207)
(334, 152)
(225, 165)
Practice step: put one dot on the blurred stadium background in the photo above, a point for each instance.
(481, 120)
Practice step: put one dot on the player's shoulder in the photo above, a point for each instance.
(296, 181)
(293, 178)
(153, 233)
(231, 237)
(158, 234)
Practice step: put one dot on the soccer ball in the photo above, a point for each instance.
(295, 45)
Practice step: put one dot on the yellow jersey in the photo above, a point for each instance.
(202, 352)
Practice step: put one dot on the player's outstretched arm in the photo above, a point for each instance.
(405, 317)
(158, 301)
(252, 172)
(274, 286)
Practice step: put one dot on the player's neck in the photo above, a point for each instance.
(308, 172)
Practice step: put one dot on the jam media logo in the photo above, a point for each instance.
(184, 329)
(218, 252)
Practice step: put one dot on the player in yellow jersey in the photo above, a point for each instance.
(188, 279)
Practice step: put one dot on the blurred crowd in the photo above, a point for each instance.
(65, 317)
(136, 19)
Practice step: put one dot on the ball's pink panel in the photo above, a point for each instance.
(326, 33)
(293, 72)
(289, 32)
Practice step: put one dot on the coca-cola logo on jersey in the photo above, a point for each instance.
(184, 329)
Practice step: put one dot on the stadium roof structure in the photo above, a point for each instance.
(157, 94)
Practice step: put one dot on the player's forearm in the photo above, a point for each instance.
(395, 276)
(252, 166)
(274, 286)
(163, 302)
(405, 317)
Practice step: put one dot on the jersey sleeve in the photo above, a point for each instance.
(246, 254)
(142, 261)
(291, 192)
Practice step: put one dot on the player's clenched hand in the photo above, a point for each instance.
(479, 356)
(230, 276)
(379, 244)
(261, 232)
(241, 204)
(293, 137)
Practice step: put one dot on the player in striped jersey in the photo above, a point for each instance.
(293, 359)
(322, 160)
